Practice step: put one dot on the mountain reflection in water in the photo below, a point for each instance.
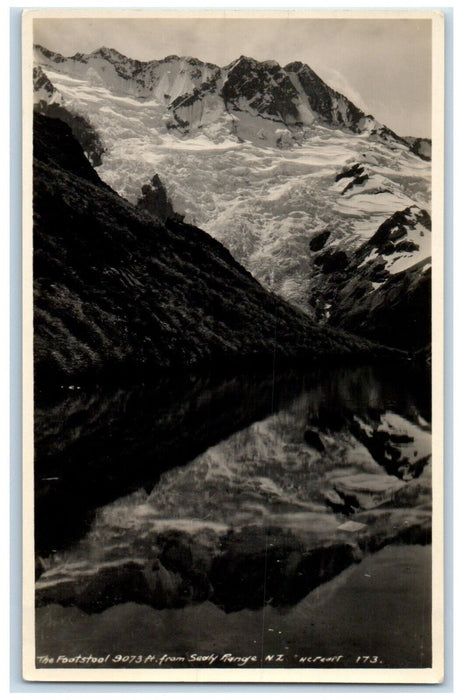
(244, 494)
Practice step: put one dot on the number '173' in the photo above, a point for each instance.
(367, 660)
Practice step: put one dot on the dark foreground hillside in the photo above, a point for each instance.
(117, 291)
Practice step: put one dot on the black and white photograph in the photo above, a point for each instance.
(233, 270)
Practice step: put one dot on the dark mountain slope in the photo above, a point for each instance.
(382, 290)
(399, 313)
(116, 290)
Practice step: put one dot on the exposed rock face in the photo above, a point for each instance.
(197, 93)
(356, 175)
(318, 241)
(383, 290)
(397, 228)
(43, 88)
(113, 289)
(155, 200)
(333, 107)
(422, 147)
(266, 88)
(332, 261)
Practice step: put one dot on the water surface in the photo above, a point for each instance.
(248, 515)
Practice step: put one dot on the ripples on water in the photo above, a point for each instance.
(253, 514)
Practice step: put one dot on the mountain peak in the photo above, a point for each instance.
(109, 54)
(241, 61)
(294, 66)
(293, 95)
(270, 63)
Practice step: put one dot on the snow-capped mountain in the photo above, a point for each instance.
(197, 93)
(263, 157)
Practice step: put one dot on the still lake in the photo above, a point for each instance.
(225, 521)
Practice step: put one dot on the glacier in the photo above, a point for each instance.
(261, 185)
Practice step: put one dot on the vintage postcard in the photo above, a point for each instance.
(233, 346)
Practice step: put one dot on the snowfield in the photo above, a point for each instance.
(261, 194)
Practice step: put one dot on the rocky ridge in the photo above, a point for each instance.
(197, 93)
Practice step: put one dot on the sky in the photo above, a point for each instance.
(382, 65)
